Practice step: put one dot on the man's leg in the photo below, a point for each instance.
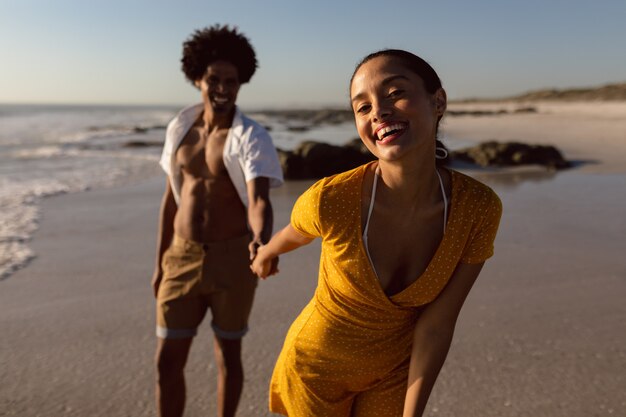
(171, 357)
(230, 375)
(230, 305)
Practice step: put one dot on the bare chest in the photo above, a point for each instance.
(401, 240)
(200, 154)
(400, 251)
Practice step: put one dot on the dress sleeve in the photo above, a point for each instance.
(305, 215)
(261, 159)
(480, 246)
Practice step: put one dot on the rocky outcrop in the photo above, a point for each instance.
(312, 160)
(312, 117)
(498, 154)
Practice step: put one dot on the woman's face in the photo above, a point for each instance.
(394, 114)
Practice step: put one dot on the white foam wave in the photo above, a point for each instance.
(20, 197)
(19, 215)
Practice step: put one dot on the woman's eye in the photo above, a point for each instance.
(395, 93)
(363, 109)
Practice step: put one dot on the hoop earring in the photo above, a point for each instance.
(441, 153)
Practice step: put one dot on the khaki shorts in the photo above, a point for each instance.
(200, 276)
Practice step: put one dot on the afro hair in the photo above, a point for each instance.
(218, 43)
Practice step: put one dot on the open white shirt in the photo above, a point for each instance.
(248, 151)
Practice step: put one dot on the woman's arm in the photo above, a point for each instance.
(266, 260)
(433, 336)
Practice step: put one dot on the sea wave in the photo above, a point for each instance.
(72, 170)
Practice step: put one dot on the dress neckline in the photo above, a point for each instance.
(363, 231)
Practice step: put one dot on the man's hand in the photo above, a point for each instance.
(156, 281)
(264, 264)
(253, 247)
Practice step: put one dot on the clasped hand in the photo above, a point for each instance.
(263, 263)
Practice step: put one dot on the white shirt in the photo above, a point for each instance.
(248, 151)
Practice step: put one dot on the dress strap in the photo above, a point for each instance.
(371, 208)
(445, 201)
(367, 221)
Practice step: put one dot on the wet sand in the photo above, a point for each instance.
(543, 332)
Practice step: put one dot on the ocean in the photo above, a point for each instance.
(52, 149)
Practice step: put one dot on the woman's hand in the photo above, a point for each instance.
(264, 264)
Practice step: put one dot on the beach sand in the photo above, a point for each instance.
(542, 334)
(593, 133)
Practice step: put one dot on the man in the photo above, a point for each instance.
(214, 215)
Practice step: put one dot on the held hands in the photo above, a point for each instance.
(265, 257)
(263, 264)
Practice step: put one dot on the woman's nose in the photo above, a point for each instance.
(381, 111)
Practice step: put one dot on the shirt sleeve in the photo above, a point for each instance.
(480, 246)
(305, 216)
(168, 145)
(260, 158)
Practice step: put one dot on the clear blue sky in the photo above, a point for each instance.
(114, 51)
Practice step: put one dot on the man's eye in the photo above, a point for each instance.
(395, 93)
(363, 109)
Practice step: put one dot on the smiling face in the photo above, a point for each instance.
(219, 86)
(395, 116)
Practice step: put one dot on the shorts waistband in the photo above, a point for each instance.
(193, 246)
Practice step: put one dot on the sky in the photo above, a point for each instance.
(128, 51)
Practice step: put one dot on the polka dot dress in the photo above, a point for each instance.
(348, 352)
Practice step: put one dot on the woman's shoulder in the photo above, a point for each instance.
(342, 181)
(470, 190)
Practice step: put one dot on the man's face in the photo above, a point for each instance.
(219, 86)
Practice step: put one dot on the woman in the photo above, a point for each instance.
(402, 243)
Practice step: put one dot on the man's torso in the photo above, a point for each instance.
(209, 208)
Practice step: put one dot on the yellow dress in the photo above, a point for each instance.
(347, 353)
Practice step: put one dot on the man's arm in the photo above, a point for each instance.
(433, 336)
(165, 233)
(260, 214)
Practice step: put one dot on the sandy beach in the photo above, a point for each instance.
(543, 332)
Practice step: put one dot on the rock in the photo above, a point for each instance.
(492, 153)
(141, 144)
(298, 128)
(291, 164)
(313, 160)
(525, 110)
(357, 144)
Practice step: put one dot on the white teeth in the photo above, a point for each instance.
(381, 133)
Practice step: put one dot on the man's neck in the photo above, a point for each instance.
(213, 120)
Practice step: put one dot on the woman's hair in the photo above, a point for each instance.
(217, 43)
(414, 63)
(432, 83)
